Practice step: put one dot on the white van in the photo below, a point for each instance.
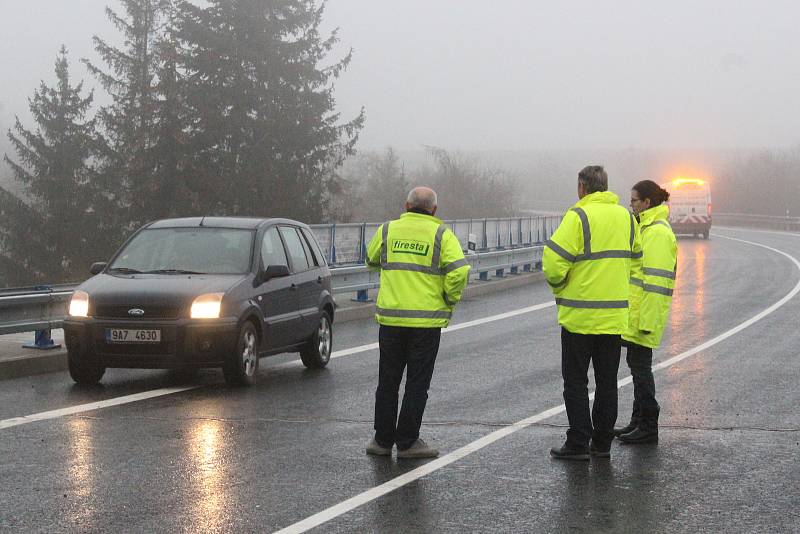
(689, 206)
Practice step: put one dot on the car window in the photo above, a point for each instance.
(312, 261)
(319, 259)
(295, 248)
(272, 252)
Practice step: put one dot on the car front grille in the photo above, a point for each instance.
(150, 312)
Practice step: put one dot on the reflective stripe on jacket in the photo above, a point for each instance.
(423, 271)
(653, 279)
(587, 263)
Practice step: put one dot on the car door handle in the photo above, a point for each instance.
(293, 287)
(319, 279)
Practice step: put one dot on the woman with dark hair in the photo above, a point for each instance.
(650, 300)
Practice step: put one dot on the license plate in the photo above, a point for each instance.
(120, 335)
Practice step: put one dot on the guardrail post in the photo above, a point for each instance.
(43, 341)
(42, 338)
(362, 296)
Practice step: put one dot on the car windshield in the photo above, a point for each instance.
(187, 251)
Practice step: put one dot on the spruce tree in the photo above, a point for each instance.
(61, 224)
(264, 133)
(143, 124)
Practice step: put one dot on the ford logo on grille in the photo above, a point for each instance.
(137, 312)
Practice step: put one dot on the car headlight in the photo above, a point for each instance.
(79, 304)
(207, 306)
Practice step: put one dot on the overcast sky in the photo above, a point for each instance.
(478, 75)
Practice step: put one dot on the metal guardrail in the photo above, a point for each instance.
(34, 309)
(789, 224)
(346, 244)
(29, 309)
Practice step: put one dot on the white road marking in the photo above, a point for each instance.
(398, 482)
(453, 328)
(72, 410)
(53, 414)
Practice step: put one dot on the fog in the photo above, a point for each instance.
(538, 88)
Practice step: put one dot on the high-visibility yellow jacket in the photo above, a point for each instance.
(653, 279)
(423, 271)
(587, 263)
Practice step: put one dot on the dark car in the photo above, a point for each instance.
(204, 292)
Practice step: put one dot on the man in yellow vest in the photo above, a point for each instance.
(423, 272)
(587, 263)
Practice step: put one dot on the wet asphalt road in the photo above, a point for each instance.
(216, 459)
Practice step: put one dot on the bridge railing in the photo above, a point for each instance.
(789, 224)
(346, 244)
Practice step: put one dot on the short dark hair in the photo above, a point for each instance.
(593, 178)
(653, 191)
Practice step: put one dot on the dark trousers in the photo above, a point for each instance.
(401, 347)
(640, 361)
(603, 350)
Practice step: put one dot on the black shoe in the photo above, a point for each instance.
(641, 434)
(599, 452)
(569, 453)
(626, 429)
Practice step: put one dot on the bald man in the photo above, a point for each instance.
(423, 272)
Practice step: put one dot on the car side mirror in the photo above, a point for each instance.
(97, 267)
(274, 271)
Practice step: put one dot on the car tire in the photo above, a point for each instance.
(242, 365)
(84, 369)
(316, 353)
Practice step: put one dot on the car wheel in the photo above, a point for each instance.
(316, 353)
(84, 368)
(242, 365)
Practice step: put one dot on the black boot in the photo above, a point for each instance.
(630, 428)
(645, 432)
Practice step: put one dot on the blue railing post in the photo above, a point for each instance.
(333, 244)
(530, 231)
(363, 238)
(42, 338)
(361, 294)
